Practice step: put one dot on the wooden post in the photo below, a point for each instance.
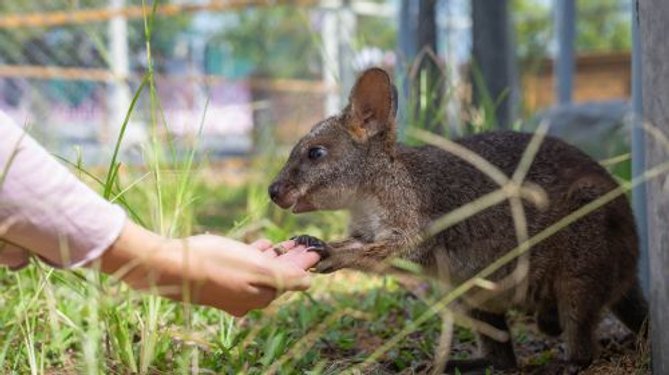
(653, 18)
(639, 199)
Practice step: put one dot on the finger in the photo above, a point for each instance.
(262, 244)
(300, 258)
(270, 253)
(289, 244)
(280, 249)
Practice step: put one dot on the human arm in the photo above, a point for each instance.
(46, 211)
(206, 269)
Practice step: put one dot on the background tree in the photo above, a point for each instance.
(602, 26)
(276, 42)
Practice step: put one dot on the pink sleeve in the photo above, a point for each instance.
(46, 210)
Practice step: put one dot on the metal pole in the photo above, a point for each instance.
(429, 84)
(407, 37)
(493, 58)
(338, 32)
(407, 32)
(639, 153)
(119, 101)
(565, 19)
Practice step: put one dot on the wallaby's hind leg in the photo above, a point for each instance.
(632, 310)
(495, 353)
(579, 313)
(548, 320)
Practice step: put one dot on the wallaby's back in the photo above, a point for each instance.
(570, 179)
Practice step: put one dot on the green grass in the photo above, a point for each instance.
(56, 321)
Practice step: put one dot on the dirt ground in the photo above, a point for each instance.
(620, 352)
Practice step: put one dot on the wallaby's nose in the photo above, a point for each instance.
(274, 191)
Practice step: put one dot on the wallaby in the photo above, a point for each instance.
(394, 192)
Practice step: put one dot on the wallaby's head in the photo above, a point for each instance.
(328, 166)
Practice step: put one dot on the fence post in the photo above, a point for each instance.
(565, 20)
(348, 24)
(653, 17)
(492, 55)
(330, 55)
(338, 30)
(407, 49)
(119, 100)
(639, 153)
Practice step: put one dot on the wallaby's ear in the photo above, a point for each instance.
(373, 105)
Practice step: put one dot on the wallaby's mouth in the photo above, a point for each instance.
(302, 205)
(286, 196)
(297, 205)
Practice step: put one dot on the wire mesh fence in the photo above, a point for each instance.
(70, 69)
(69, 72)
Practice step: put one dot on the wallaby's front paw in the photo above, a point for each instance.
(329, 262)
(312, 244)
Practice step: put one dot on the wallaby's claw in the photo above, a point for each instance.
(327, 263)
(312, 244)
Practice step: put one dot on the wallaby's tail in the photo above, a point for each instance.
(632, 310)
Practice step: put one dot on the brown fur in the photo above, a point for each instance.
(395, 192)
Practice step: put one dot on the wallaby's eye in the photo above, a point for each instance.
(316, 153)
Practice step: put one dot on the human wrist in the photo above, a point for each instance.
(132, 257)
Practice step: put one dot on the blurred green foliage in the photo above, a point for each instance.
(601, 26)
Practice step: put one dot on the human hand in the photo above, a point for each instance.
(288, 252)
(208, 270)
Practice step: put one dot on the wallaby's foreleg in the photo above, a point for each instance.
(500, 353)
(352, 253)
